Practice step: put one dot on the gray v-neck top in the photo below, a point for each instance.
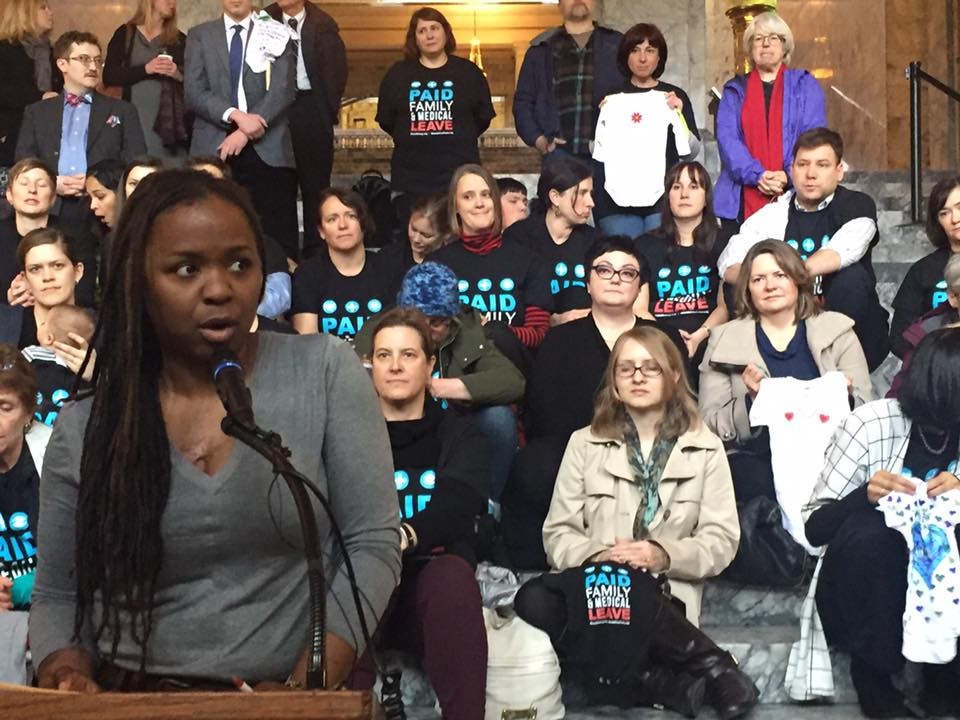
(232, 596)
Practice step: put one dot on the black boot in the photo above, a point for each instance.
(679, 644)
(679, 692)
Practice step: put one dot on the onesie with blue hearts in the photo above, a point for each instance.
(931, 620)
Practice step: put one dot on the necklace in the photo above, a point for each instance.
(935, 451)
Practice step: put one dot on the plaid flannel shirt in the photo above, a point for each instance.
(573, 85)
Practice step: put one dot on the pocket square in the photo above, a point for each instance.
(113, 120)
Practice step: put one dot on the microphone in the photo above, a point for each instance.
(234, 393)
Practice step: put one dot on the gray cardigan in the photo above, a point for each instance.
(232, 596)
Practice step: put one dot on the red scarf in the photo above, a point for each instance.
(481, 244)
(763, 134)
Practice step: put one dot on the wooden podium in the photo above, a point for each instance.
(24, 702)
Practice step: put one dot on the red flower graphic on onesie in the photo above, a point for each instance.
(636, 117)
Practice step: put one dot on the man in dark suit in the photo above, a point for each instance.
(321, 79)
(241, 115)
(79, 127)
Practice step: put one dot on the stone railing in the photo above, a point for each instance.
(501, 151)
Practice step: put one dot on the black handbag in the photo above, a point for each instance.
(767, 555)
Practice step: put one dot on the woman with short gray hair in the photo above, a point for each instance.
(761, 114)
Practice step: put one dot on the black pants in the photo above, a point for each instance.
(853, 292)
(862, 590)
(313, 150)
(273, 191)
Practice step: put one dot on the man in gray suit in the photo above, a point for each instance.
(242, 118)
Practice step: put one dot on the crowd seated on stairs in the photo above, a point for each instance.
(636, 428)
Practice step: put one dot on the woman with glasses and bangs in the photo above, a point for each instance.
(760, 117)
(643, 492)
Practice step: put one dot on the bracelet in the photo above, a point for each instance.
(292, 683)
(707, 328)
(410, 534)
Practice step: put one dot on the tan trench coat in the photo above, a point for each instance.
(596, 499)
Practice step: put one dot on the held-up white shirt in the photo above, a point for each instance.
(630, 141)
(800, 416)
(851, 240)
(931, 619)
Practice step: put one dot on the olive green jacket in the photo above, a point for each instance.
(467, 354)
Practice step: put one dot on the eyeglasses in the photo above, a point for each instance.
(648, 369)
(772, 39)
(86, 60)
(626, 274)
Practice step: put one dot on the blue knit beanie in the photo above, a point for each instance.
(431, 288)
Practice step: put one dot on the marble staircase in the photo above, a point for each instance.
(757, 625)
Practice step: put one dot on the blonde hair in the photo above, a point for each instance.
(951, 273)
(18, 19)
(680, 412)
(453, 216)
(769, 22)
(145, 14)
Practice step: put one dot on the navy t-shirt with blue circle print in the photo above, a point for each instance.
(565, 264)
(683, 284)
(502, 284)
(342, 303)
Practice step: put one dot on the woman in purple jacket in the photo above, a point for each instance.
(761, 115)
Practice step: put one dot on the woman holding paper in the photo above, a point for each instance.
(145, 58)
(780, 331)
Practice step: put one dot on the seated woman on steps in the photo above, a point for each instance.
(892, 606)
(644, 491)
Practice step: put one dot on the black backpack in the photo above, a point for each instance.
(375, 190)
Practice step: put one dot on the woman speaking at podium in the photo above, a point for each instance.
(171, 557)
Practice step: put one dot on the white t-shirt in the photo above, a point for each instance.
(801, 416)
(630, 141)
(931, 620)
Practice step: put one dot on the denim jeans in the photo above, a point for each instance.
(499, 424)
(630, 225)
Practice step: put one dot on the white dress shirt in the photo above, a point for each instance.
(851, 240)
(228, 23)
(303, 81)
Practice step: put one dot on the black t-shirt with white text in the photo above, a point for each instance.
(683, 282)
(435, 116)
(565, 263)
(502, 283)
(342, 303)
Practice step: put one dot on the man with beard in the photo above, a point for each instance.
(565, 74)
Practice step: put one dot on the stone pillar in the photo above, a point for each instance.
(198, 11)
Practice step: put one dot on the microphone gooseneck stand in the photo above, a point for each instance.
(270, 445)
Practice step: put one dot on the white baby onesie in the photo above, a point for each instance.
(801, 416)
(632, 134)
(931, 620)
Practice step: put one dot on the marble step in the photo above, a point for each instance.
(768, 712)
(729, 604)
(761, 651)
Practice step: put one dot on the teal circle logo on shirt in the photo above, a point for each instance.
(329, 307)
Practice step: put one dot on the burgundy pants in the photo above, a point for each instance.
(436, 614)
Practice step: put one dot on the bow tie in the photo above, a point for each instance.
(74, 100)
